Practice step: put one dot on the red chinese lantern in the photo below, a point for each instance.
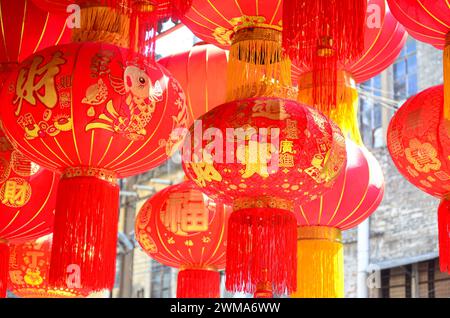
(86, 110)
(384, 39)
(202, 73)
(428, 21)
(260, 155)
(27, 202)
(419, 144)
(182, 228)
(357, 193)
(252, 32)
(29, 264)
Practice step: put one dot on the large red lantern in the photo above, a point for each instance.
(85, 110)
(27, 202)
(357, 193)
(384, 39)
(182, 228)
(419, 144)
(260, 155)
(252, 32)
(29, 265)
(428, 21)
(202, 73)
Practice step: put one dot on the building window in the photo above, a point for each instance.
(423, 279)
(161, 281)
(405, 72)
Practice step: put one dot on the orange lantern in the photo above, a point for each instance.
(356, 194)
(181, 227)
(252, 32)
(419, 144)
(202, 73)
(29, 264)
(27, 202)
(261, 155)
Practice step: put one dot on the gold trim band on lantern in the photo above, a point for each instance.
(324, 233)
(143, 6)
(263, 202)
(305, 81)
(198, 267)
(102, 174)
(257, 33)
(447, 39)
(3, 241)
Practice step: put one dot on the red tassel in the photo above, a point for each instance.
(326, 33)
(261, 248)
(4, 268)
(198, 283)
(85, 234)
(444, 235)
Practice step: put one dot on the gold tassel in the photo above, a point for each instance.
(447, 78)
(103, 24)
(345, 113)
(257, 66)
(320, 263)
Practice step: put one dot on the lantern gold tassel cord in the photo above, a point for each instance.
(103, 24)
(320, 263)
(447, 78)
(257, 66)
(345, 115)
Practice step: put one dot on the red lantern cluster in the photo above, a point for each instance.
(182, 228)
(261, 155)
(85, 110)
(27, 201)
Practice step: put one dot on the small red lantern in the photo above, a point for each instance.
(181, 227)
(428, 21)
(357, 193)
(29, 264)
(419, 144)
(384, 39)
(86, 110)
(27, 202)
(202, 73)
(260, 155)
(252, 32)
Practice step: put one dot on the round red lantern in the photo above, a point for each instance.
(260, 155)
(27, 202)
(86, 110)
(252, 32)
(202, 73)
(356, 194)
(419, 144)
(384, 39)
(428, 21)
(29, 264)
(183, 228)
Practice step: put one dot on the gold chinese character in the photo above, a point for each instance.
(27, 88)
(15, 192)
(255, 156)
(291, 130)
(287, 146)
(16, 277)
(185, 213)
(286, 160)
(205, 172)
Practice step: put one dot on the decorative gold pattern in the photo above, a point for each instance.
(105, 175)
(263, 202)
(423, 156)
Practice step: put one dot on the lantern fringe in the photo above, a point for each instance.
(198, 283)
(257, 67)
(320, 269)
(85, 234)
(4, 268)
(444, 235)
(103, 24)
(261, 247)
(345, 114)
(447, 78)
